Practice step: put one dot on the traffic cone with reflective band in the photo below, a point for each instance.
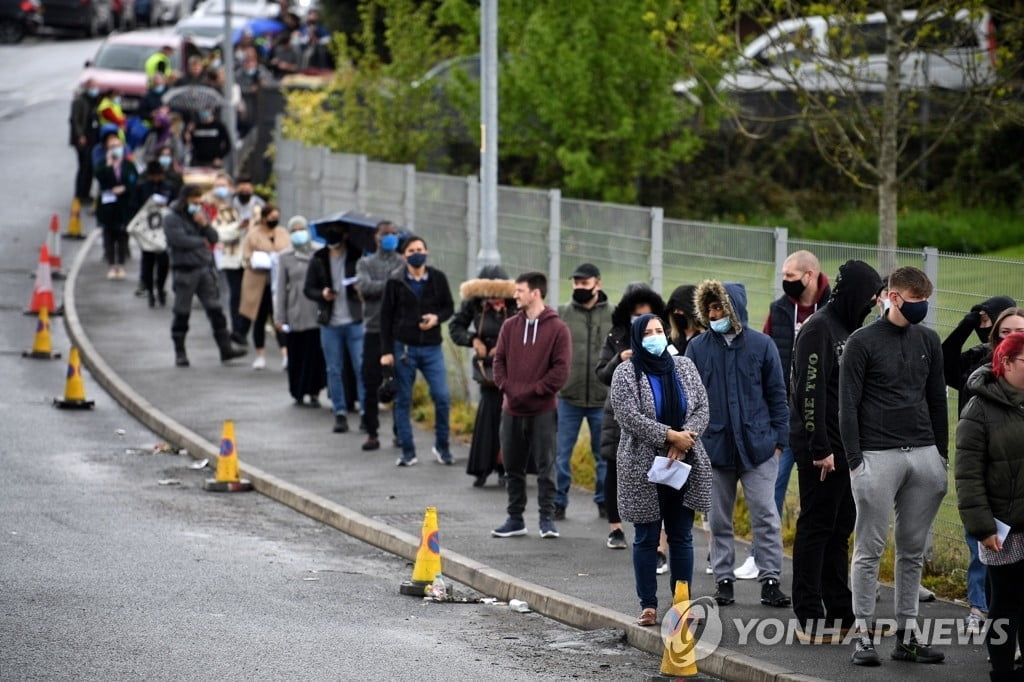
(53, 240)
(428, 557)
(226, 479)
(679, 659)
(75, 221)
(42, 292)
(41, 347)
(74, 387)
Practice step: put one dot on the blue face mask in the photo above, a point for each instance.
(914, 312)
(655, 345)
(721, 326)
(193, 208)
(300, 238)
(165, 161)
(159, 89)
(221, 192)
(416, 260)
(93, 92)
(389, 242)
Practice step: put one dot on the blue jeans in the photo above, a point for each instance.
(976, 573)
(570, 419)
(782, 480)
(334, 340)
(430, 361)
(678, 522)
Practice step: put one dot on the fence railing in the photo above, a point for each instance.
(541, 230)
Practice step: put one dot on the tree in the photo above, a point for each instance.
(862, 85)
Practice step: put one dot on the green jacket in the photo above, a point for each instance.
(588, 329)
(989, 457)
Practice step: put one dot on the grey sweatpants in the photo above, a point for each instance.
(913, 482)
(759, 491)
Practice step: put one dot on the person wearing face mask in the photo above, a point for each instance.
(209, 140)
(296, 317)
(288, 56)
(894, 428)
(85, 131)
(638, 299)
(372, 273)
(160, 136)
(189, 238)
(228, 254)
(260, 247)
(417, 301)
(821, 595)
(486, 303)
(250, 77)
(153, 196)
(117, 178)
(662, 408)
(589, 318)
(805, 289)
(153, 98)
(748, 429)
(245, 201)
(682, 316)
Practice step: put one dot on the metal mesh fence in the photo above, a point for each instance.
(385, 190)
(441, 210)
(339, 183)
(523, 228)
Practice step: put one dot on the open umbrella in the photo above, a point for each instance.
(361, 228)
(193, 98)
(258, 27)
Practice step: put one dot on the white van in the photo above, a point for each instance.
(954, 52)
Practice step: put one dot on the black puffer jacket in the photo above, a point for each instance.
(617, 341)
(989, 457)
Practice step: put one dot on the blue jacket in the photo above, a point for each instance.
(746, 389)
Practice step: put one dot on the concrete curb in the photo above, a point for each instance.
(575, 612)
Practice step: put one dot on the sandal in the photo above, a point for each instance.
(647, 618)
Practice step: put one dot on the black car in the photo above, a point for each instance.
(93, 17)
(18, 18)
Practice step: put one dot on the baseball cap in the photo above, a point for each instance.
(586, 271)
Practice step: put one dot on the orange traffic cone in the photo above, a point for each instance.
(428, 557)
(226, 479)
(42, 292)
(53, 239)
(74, 387)
(41, 347)
(679, 658)
(75, 221)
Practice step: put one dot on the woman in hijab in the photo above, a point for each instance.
(662, 409)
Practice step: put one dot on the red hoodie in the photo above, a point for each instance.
(531, 362)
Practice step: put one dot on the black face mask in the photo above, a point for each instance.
(243, 198)
(272, 223)
(681, 322)
(582, 296)
(984, 333)
(793, 288)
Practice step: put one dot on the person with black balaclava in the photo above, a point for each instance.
(682, 317)
(189, 238)
(821, 596)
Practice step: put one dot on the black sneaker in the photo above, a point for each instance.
(617, 539)
(864, 652)
(724, 595)
(602, 510)
(909, 649)
(559, 514)
(340, 423)
(771, 595)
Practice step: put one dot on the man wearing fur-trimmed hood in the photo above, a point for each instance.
(748, 428)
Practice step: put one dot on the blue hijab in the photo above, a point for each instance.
(661, 372)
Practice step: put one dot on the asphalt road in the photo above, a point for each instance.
(115, 565)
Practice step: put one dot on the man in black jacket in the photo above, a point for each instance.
(189, 238)
(892, 419)
(827, 512)
(85, 133)
(416, 302)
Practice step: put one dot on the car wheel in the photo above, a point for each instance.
(11, 32)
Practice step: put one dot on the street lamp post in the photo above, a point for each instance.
(488, 254)
(228, 111)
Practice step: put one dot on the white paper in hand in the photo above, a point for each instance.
(669, 472)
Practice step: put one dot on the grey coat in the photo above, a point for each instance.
(643, 438)
(291, 306)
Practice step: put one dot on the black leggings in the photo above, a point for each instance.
(157, 263)
(1006, 605)
(611, 491)
(259, 325)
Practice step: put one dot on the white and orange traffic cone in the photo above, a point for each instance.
(42, 348)
(53, 240)
(226, 479)
(74, 387)
(42, 292)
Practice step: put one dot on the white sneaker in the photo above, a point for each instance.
(748, 571)
(259, 363)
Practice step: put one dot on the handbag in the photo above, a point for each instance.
(260, 260)
(484, 372)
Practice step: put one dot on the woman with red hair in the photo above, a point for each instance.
(990, 491)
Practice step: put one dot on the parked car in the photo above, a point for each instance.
(814, 53)
(92, 17)
(120, 62)
(18, 18)
(246, 8)
(207, 31)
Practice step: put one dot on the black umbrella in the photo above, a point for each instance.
(193, 98)
(362, 227)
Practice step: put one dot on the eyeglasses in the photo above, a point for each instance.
(716, 307)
